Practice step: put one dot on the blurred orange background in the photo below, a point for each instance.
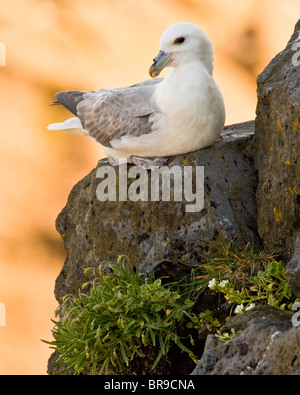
(88, 44)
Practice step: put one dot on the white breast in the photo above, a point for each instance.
(191, 116)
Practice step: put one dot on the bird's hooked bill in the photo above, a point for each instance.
(160, 62)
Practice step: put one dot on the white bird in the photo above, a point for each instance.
(148, 122)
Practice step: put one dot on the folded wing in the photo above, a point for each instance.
(109, 114)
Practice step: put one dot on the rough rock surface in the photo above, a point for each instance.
(161, 236)
(293, 268)
(277, 153)
(268, 345)
(254, 203)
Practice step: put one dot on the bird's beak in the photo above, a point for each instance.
(160, 62)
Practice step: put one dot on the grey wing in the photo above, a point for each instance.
(69, 99)
(111, 114)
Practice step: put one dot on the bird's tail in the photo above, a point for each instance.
(71, 125)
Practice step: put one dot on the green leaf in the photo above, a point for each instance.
(123, 352)
(162, 344)
(152, 337)
(158, 358)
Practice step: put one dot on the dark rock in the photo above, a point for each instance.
(268, 345)
(277, 153)
(293, 268)
(161, 236)
(213, 352)
(166, 237)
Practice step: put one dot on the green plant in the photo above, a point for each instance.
(226, 337)
(103, 330)
(269, 287)
(231, 263)
(273, 287)
(245, 278)
(205, 319)
(121, 314)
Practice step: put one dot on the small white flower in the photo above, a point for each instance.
(223, 283)
(250, 307)
(239, 309)
(212, 283)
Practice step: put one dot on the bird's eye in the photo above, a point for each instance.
(179, 40)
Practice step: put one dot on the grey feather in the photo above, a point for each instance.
(70, 99)
(109, 114)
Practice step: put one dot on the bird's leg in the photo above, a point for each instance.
(148, 163)
(117, 162)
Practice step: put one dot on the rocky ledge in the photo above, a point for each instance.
(162, 236)
(251, 179)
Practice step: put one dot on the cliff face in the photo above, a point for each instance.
(161, 236)
(251, 193)
(277, 154)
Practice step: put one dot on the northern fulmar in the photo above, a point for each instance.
(148, 122)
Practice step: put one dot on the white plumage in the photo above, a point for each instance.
(148, 122)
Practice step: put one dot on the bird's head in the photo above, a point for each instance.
(181, 43)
